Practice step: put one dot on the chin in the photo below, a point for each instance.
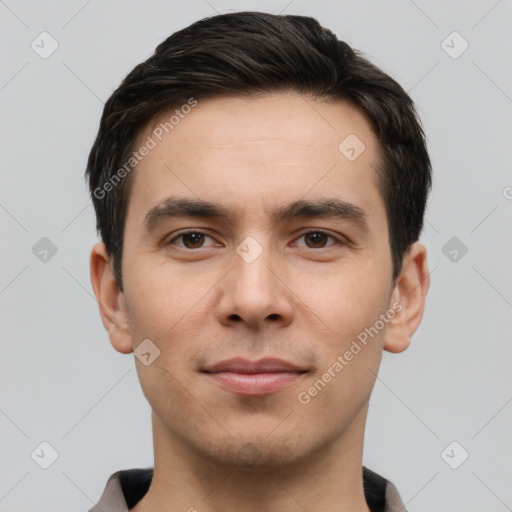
(256, 454)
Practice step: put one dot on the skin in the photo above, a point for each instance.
(303, 300)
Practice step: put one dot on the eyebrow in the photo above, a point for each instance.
(335, 208)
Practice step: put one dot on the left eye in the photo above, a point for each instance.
(317, 238)
(195, 239)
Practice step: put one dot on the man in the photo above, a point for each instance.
(259, 189)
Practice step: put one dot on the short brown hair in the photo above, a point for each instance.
(245, 53)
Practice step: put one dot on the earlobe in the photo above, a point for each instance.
(112, 305)
(410, 293)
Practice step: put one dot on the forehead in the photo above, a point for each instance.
(248, 152)
(237, 122)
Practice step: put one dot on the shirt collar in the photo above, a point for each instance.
(125, 488)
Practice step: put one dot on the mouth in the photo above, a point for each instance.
(254, 378)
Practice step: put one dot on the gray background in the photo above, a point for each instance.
(63, 383)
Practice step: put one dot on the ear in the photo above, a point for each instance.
(113, 311)
(409, 298)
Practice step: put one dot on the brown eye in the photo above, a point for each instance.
(195, 239)
(190, 240)
(317, 239)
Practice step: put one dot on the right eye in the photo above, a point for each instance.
(191, 239)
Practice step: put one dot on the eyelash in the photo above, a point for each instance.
(180, 235)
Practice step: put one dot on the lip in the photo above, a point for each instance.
(265, 365)
(255, 378)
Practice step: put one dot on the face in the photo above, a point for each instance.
(255, 276)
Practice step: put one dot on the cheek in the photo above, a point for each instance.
(165, 387)
(339, 398)
(342, 303)
(350, 349)
(350, 360)
(164, 301)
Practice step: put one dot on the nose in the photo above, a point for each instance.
(254, 291)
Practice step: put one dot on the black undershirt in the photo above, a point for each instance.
(135, 484)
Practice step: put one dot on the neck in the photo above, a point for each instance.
(329, 479)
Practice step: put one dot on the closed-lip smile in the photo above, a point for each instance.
(260, 377)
